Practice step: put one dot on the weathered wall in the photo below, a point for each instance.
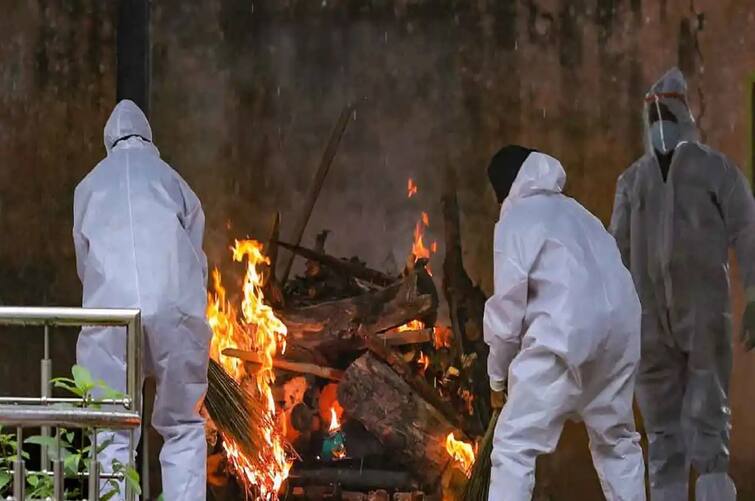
(57, 86)
(245, 94)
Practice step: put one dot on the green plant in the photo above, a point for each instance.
(75, 457)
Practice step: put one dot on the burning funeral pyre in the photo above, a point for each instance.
(365, 393)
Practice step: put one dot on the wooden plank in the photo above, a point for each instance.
(278, 363)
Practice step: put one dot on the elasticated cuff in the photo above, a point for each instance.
(497, 385)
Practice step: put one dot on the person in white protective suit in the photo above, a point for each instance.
(138, 231)
(563, 326)
(678, 209)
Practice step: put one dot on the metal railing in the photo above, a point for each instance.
(46, 411)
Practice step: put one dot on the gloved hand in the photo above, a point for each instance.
(748, 325)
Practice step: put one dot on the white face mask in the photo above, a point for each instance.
(665, 135)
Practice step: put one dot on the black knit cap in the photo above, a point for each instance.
(504, 167)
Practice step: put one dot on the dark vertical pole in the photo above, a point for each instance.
(133, 82)
(133, 52)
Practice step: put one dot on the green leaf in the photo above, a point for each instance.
(5, 478)
(132, 478)
(33, 480)
(65, 380)
(72, 464)
(111, 394)
(42, 440)
(70, 388)
(69, 436)
(108, 495)
(82, 377)
(105, 444)
(160, 498)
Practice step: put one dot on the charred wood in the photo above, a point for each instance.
(407, 424)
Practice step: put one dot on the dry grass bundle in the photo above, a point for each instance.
(236, 413)
(479, 481)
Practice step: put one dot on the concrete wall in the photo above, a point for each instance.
(245, 94)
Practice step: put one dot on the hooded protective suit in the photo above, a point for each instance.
(138, 232)
(566, 312)
(674, 236)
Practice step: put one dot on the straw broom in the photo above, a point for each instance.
(479, 480)
(236, 413)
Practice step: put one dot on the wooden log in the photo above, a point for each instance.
(418, 383)
(279, 363)
(335, 324)
(466, 303)
(314, 191)
(404, 422)
(402, 338)
(342, 266)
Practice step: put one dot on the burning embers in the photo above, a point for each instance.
(257, 329)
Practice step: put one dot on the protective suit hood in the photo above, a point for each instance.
(539, 173)
(126, 120)
(669, 95)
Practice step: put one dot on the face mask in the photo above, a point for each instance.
(665, 135)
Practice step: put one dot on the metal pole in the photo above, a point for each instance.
(46, 374)
(19, 473)
(58, 472)
(130, 494)
(145, 459)
(94, 470)
(134, 384)
(133, 52)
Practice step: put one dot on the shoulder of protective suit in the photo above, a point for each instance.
(530, 216)
(704, 149)
(627, 177)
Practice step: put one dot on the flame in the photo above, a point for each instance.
(336, 411)
(419, 249)
(259, 330)
(335, 424)
(411, 188)
(418, 246)
(414, 325)
(423, 361)
(461, 452)
(442, 337)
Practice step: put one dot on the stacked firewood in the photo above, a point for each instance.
(371, 385)
(365, 351)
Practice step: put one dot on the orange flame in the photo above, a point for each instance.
(257, 330)
(411, 188)
(419, 249)
(423, 361)
(335, 424)
(418, 246)
(414, 325)
(442, 337)
(461, 452)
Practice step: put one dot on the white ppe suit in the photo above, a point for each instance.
(138, 231)
(674, 236)
(563, 328)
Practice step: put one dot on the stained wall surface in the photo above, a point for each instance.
(245, 93)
